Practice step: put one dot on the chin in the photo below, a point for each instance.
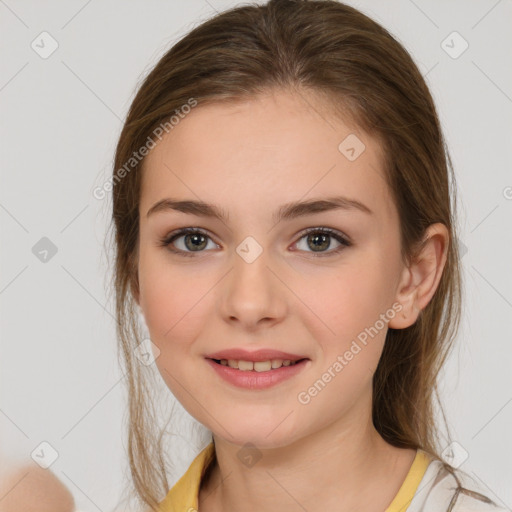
(262, 433)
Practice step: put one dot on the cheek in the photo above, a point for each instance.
(351, 299)
(351, 336)
(175, 304)
(172, 299)
(353, 308)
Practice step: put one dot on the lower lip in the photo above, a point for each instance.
(257, 380)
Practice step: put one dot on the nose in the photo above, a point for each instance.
(252, 294)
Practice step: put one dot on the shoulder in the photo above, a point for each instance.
(444, 488)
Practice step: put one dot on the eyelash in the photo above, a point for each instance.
(168, 240)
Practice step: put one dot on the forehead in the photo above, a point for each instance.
(266, 150)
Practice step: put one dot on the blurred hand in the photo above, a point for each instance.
(29, 488)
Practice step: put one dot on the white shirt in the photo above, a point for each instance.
(437, 492)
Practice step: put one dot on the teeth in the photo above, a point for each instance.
(245, 365)
(258, 366)
(262, 366)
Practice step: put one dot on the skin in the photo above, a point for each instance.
(29, 488)
(249, 159)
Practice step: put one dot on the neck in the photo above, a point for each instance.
(341, 467)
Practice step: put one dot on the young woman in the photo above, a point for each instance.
(284, 216)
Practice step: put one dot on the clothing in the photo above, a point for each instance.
(428, 487)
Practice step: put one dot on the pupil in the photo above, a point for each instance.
(318, 236)
(196, 238)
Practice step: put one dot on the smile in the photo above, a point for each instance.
(257, 366)
(257, 375)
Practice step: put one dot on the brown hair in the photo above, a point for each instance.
(348, 59)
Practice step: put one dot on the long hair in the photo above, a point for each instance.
(363, 72)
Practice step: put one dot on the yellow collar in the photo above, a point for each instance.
(183, 497)
(407, 490)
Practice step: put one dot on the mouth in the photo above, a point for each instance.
(257, 366)
(258, 375)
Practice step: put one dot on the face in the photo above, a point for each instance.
(320, 284)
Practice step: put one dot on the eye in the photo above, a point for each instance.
(194, 240)
(320, 238)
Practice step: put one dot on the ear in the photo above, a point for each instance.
(419, 282)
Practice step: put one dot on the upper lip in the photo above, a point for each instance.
(264, 354)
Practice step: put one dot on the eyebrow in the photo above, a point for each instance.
(288, 211)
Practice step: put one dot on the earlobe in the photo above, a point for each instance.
(406, 317)
(421, 279)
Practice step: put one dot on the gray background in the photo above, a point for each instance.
(60, 119)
